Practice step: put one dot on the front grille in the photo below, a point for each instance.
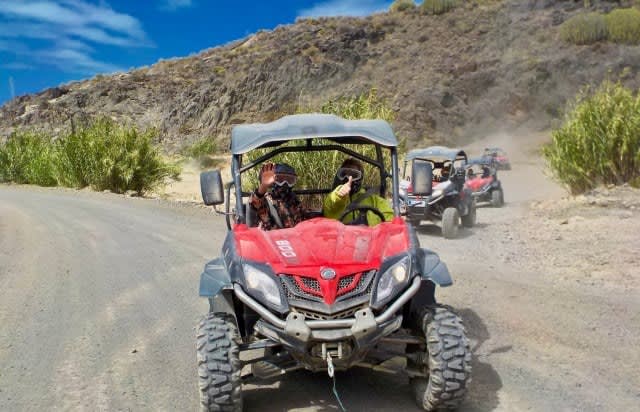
(363, 287)
(345, 282)
(309, 314)
(311, 283)
(307, 288)
(294, 291)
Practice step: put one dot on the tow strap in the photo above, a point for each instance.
(332, 375)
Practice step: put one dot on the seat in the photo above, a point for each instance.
(250, 215)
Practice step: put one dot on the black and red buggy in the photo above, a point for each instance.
(498, 157)
(450, 203)
(324, 296)
(482, 180)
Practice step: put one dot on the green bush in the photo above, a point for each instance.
(28, 158)
(203, 147)
(623, 26)
(599, 142)
(586, 28)
(402, 5)
(107, 156)
(438, 6)
(103, 155)
(316, 169)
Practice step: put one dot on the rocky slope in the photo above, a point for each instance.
(478, 68)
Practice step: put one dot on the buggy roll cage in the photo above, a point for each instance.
(237, 168)
(307, 128)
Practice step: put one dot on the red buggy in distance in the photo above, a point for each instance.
(324, 295)
(498, 157)
(482, 180)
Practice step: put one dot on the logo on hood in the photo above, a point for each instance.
(327, 274)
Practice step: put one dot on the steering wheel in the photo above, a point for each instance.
(362, 208)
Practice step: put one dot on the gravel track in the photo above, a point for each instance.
(98, 304)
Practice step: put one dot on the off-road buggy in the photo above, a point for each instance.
(498, 157)
(450, 203)
(323, 295)
(482, 180)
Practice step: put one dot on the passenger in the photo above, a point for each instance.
(273, 200)
(470, 174)
(349, 193)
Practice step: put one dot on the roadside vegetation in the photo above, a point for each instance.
(438, 6)
(599, 142)
(316, 169)
(103, 155)
(202, 151)
(619, 26)
(402, 5)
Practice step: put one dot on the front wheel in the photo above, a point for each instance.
(218, 364)
(450, 222)
(447, 362)
(497, 198)
(469, 219)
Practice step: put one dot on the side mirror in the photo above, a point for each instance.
(421, 177)
(211, 188)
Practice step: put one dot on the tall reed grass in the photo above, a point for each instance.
(599, 142)
(102, 155)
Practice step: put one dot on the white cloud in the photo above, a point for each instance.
(172, 5)
(345, 8)
(65, 30)
(75, 61)
(17, 66)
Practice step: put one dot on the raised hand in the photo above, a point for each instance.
(345, 188)
(267, 177)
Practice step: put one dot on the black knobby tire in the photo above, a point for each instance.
(497, 198)
(448, 362)
(218, 364)
(469, 219)
(450, 222)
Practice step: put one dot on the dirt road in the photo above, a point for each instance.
(98, 303)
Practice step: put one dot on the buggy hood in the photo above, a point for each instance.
(321, 243)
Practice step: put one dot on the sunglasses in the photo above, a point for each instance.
(345, 172)
(285, 179)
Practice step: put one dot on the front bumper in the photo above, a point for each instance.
(299, 335)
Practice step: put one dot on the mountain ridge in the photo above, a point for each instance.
(449, 77)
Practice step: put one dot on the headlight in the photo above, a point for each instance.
(392, 280)
(261, 284)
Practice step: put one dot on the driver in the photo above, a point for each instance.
(348, 193)
(444, 175)
(273, 200)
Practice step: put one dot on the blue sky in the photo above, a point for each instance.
(44, 43)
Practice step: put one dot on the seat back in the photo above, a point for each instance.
(251, 215)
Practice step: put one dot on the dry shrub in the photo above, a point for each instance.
(623, 26)
(438, 6)
(584, 28)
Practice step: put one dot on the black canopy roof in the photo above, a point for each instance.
(436, 152)
(246, 137)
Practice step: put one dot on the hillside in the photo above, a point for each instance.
(478, 68)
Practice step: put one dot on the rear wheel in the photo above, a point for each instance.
(450, 222)
(469, 219)
(218, 364)
(497, 198)
(447, 363)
